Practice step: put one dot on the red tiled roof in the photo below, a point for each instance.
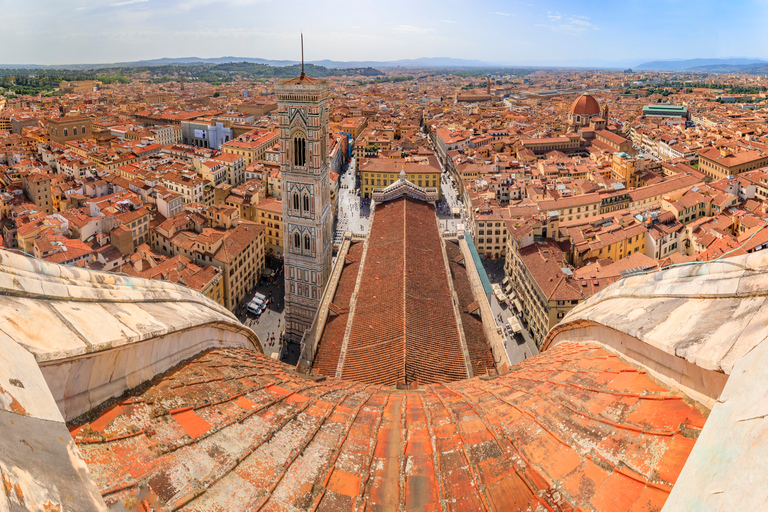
(303, 79)
(585, 105)
(329, 348)
(403, 326)
(574, 428)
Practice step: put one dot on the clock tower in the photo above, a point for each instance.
(307, 216)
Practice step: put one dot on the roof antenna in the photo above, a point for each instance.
(302, 54)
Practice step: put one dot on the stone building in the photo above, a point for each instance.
(63, 129)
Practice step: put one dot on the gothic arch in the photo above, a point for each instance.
(299, 150)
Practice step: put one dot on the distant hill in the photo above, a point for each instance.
(749, 69)
(434, 62)
(699, 64)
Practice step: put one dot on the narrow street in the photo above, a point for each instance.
(519, 346)
(270, 323)
(353, 212)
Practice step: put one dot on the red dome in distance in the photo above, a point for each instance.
(585, 105)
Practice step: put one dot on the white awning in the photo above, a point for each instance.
(514, 324)
(505, 281)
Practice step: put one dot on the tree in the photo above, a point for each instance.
(216, 94)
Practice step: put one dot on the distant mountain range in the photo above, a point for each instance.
(729, 65)
(434, 62)
(732, 65)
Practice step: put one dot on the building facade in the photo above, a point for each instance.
(68, 128)
(307, 216)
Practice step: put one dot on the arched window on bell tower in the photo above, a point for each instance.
(306, 243)
(295, 200)
(297, 240)
(299, 151)
(306, 203)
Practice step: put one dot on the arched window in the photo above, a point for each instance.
(297, 240)
(66, 132)
(299, 151)
(306, 203)
(295, 201)
(306, 242)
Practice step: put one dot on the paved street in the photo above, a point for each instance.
(271, 322)
(520, 346)
(449, 201)
(353, 212)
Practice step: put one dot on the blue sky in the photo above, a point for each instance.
(589, 32)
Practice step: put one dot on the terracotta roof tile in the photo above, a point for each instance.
(399, 332)
(327, 358)
(231, 430)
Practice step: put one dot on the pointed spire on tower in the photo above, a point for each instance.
(302, 54)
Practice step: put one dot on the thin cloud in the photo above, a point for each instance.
(500, 13)
(129, 2)
(449, 21)
(574, 25)
(410, 29)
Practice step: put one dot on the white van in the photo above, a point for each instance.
(255, 308)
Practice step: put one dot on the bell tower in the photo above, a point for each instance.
(307, 217)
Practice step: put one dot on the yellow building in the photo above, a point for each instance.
(241, 259)
(269, 213)
(37, 187)
(381, 172)
(689, 207)
(718, 163)
(77, 87)
(623, 167)
(613, 238)
(544, 292)
(214, 289)
(490, 234)
(28, 233)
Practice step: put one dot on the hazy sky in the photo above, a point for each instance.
(588, 32)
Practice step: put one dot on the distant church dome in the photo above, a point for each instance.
(585, 105)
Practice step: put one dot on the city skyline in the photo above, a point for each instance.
(555, 33)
